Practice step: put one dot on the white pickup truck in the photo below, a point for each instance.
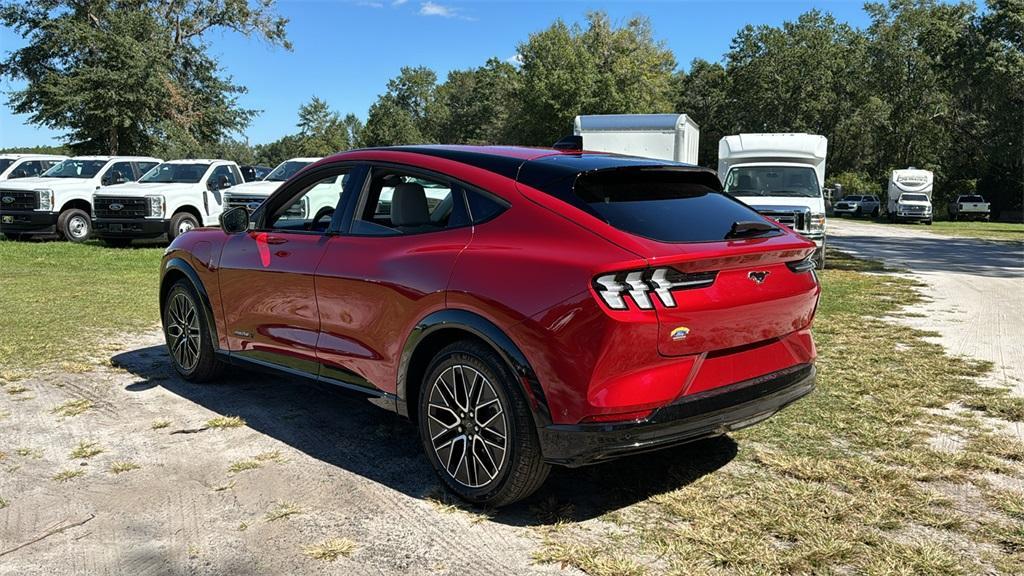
(252, 194)
(14, 166)
(169, 200)
(972, 207)
(910, 196)
(60, 200)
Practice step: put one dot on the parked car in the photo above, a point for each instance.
(14, 166)
(60, 200)
(858, 206)
(171, 199)
(251, 194)
(254, 173)
(971, 207)
(556, 308)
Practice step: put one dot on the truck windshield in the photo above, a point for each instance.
(796, 181)
(175, 173)
(913, 198)
(75, 169)
(286, 170)
(5, 163)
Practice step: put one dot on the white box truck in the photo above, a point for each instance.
(910, 195)
(781, 176)
(663, 136)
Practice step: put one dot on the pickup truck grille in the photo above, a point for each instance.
(113, 207)
(18, 200)
(842, 205)
(913, 208)
(796, 220)
(236, 200)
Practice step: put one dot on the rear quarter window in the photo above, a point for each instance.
(663, 205)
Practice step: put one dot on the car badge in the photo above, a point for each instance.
(679, 333)
(8, 200)
(758, 277)
(115, 206)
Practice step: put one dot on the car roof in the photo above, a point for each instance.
(532, 166)
(19, 156)
(116, 158)
(198, 161)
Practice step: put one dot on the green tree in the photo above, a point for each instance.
(704, 95)
(476, 106)
(399, 116)
(321, 130)
(566, 71)
(121, 76)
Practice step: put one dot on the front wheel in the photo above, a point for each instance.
(181, 223)
(928, 222)
(187, 334)
(477, 428)
(74, 225)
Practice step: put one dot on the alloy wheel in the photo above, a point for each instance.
(185, 226)
(183, 332)
(467, 425)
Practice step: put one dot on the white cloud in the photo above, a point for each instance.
(369, 4)
(398, 2)
(432, 9)
(515, 60)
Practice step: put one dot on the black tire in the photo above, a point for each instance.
(858, 212)
(520, 469)
(874, 213)
(187, 334)
(819, 257)
(116, 242)
(181, 223)
(928, 222)
(74, 225)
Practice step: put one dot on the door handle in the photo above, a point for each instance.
(275, 240)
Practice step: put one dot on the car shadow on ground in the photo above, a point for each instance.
(348, 432)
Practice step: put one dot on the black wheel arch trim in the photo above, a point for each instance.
(488, 332)
(181, 265)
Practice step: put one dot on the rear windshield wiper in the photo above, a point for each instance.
(749, 229)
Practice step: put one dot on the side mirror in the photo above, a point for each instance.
(235, 220)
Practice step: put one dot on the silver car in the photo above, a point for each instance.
(857, 206)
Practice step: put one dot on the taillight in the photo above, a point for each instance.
(640, 284)
(805, 265)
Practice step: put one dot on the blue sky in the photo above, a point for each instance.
(345, 51)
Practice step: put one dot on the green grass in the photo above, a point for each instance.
(844, 481)
(225, 422)
(984, 230)
(68, 475)
(79, 293)
(72, 408)
(122, 466)
(86, 450)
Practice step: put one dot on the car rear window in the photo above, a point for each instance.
(972, 199)
(663, 205)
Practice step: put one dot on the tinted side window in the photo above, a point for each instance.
(312, 209)
(27, 169)
(399, 202)
(119, 173)
(483, 207)
(223, 172)
(145, 167)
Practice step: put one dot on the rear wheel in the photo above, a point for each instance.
(74, 225)
(181, 223)
(477, 428)
(189, 343)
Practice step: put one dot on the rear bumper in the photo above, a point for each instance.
(28, 222)
(129, 227)
(693, 417)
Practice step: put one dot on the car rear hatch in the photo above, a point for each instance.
(720, 277)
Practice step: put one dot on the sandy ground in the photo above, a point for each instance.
(974, 289)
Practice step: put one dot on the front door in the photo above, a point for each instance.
(267, 274)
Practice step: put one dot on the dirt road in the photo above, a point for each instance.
(975, 288)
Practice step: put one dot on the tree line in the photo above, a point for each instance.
(927, 84)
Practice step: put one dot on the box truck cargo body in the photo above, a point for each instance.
(663, 136)
(781, 176)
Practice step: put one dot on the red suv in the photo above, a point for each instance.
(524, 307)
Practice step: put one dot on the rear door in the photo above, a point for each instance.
(267, 275)
(388, 269)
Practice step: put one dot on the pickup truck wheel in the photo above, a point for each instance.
(181, 223)
(952, 217)
(874, 213)
(477, 428)
(858, 213)
(928, 222)
(74, 225)
(188, 336)
(116, 242)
